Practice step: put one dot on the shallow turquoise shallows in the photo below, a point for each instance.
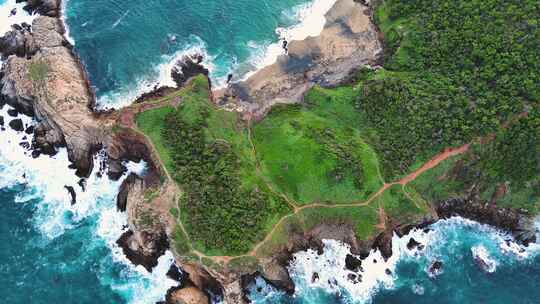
(123, 43)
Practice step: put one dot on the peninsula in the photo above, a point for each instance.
(390, 119)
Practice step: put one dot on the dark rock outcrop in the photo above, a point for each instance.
(412, 244)
(188, 67)
(72, 194)
(17, 125)
(157, 92)
(49, 8)
(514, 221)
(122, 198)
(17, 42)
(143, 256)
(353, 263)
(13, 113)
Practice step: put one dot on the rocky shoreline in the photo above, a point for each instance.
(42, 77)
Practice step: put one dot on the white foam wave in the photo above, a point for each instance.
(436, 243)
(45, 178)
(311, 21)
(67, 34)
(117, 22)
(21, 15)
(160, 76)
(483, 259)
(7, 20)
(334, 277)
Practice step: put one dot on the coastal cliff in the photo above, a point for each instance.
(348, 41)
(42, 77)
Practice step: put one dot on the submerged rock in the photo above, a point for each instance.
(435, 269)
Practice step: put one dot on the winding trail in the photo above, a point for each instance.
(127, 116)
(434, 162)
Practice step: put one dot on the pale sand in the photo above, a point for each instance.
(348, 41)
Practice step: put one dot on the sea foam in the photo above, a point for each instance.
(310, 21)
(158, 77)
(45, 178)
(437, 243)
(6, 21)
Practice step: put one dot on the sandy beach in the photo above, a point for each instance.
(348, 41)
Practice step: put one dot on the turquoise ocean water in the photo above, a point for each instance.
(126, 46)
(52, 252)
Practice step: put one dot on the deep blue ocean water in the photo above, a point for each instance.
(52, 252)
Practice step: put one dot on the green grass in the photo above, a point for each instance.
(433, 185)
(312, 154)
(151, 123)
(181, 243)
(316, 152)
(398, 206)
(38, 71)
(362, 220)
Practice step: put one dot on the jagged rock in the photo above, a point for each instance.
(29, 130)
(62, 106)
(49, 8)
(352, 263)
(187, 67)
(383, 242)
(143, 249)
(82, 184)
(12, 43)
(116, 169)
(188, 295)
(174, 273)
(512, 220)
(17, 125)
(13, 113)
(157, 92)
(132, 181)
(72, 194)
(412, 244)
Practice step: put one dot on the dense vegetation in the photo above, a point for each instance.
(514, 153)
(413, 117)
(454, 70)
(226, 206)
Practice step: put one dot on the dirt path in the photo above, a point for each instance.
(126, 119)
(435, 161)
